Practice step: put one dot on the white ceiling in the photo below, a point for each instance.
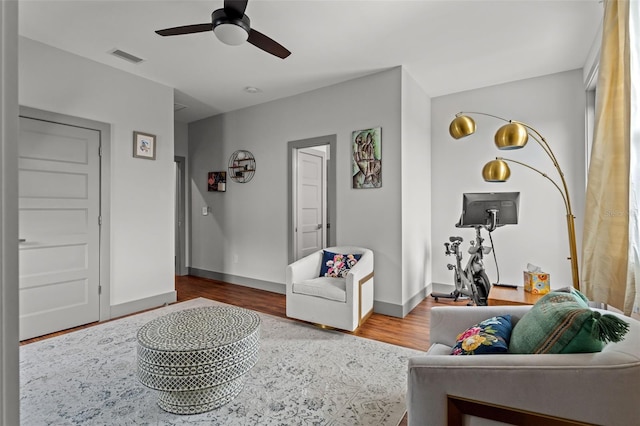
(447, 46)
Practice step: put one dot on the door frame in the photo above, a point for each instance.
(104, 130)
(292, 147)
(9, 349)
(322, 154)
(181, 244)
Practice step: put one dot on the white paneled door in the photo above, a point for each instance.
(311, 198)
(59, 189)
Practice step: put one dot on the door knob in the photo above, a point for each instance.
(319, 226)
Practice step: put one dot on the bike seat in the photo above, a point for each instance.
(454, 239)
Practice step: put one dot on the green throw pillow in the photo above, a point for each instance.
(561, 323)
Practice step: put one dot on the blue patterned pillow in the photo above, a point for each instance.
(337, 265)
(490, 336)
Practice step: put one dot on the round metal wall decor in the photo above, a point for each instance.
(242, 166)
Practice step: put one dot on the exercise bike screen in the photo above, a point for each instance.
(476, 206)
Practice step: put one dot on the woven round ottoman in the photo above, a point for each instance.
(197, 357)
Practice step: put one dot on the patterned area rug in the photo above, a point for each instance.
(304, 376)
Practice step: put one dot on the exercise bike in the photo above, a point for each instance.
(480, 211)
(472, 281)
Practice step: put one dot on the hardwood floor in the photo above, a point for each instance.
(411, 331)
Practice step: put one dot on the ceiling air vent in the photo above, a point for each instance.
(126, 56)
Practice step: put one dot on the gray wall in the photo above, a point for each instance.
(181, 149)
(555, 106)
(425, 173)
(245, 236)
(180, 139)
(141, 191)
(405, 222)
(416, 192)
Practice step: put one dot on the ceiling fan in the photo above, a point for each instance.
(232, 27)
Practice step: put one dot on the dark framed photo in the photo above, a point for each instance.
(217, 181)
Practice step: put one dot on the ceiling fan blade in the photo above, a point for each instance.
(235, 8)
(186, 29)
(263, 42)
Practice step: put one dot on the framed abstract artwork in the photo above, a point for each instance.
(366, 158)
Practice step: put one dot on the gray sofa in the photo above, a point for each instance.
(600, 388)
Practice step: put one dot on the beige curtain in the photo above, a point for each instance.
(609, 251)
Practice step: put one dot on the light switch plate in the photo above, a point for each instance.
(205, 211)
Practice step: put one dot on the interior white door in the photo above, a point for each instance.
(311, 199)
(59, 208)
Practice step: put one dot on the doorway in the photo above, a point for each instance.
(310, 200)
(180, 225)
(63, 252)
(311, 195)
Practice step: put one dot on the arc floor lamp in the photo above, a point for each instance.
(515, 135)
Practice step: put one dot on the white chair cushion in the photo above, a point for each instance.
(325, 287)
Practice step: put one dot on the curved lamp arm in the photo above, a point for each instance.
(564, 197)
(545, 146)
(571, 227)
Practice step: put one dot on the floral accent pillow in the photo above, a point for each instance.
(337, 265)
(490, 336)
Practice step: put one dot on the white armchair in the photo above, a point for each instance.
(596, 388)
(342, 303)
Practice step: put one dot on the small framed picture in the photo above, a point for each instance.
(144, 145)
(217, 181)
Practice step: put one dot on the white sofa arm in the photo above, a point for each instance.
(593, 394)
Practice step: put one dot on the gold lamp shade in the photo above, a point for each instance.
(511, 136)
(462, 126)
(496, 171)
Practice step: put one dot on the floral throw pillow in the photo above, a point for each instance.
(490, 336)
(337, 265)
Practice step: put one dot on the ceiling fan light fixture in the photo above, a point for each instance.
(231, 31)
(232, 27)
(231, 34)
